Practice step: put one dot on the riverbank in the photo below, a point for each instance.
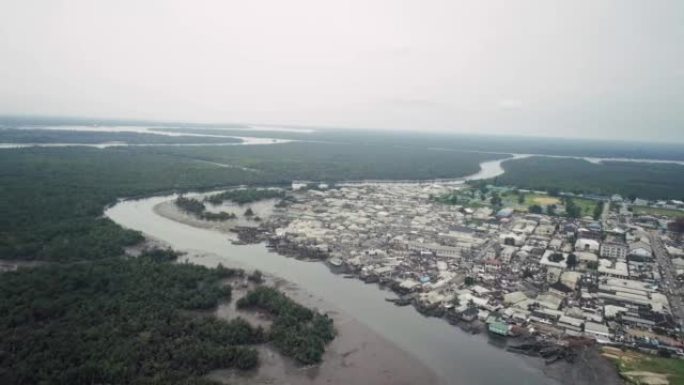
(357, 355)
(451, 355)
(359, 344)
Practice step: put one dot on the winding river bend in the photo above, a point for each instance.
(455, 356)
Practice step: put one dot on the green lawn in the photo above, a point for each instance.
(511, 200)
(587, 206)
(656, 211)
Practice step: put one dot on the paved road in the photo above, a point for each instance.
(604, 214)
(670, 284)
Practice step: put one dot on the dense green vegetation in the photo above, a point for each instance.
(52, 199)
(598, 210)
(118, 321)
(332, 162)
(643, 180)
(296, 331)
(197, 208)
(246, 195)
(189, 205)
(535, 209)
(571, 209)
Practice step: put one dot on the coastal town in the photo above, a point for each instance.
(552, 268)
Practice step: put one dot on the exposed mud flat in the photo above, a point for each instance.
(170, 211)
(229, 311)
(262, 209)
(589, 368)
(356, 356)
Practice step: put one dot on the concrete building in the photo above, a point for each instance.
(597, 331)
(585, 244)
(614, 250)
(640, 249)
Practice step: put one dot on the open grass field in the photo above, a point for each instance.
(638, 368)
(541, 200)
(511, 200)
(656, 211)
(587, 206)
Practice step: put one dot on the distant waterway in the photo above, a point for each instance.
(455, 356)
(244, 141)
(595, 160)
(488, 169)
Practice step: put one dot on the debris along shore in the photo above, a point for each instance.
(552, 351)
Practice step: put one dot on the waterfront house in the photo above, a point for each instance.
(496, 326)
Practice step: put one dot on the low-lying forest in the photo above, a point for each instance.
(140, 320)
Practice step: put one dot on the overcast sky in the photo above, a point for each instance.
(609, 69)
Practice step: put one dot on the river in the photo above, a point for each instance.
(244, 141)
(455, 356)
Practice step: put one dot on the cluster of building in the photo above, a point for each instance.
(513, 272)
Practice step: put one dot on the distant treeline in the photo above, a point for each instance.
(472, 142)
(89, 137)
(643, 180)
(333, 162)
(52, 199)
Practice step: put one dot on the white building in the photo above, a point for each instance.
(617, 269)
(640, 249)
(614, 250)
(584, 244)
(596, 330)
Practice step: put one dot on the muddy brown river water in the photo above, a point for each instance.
(393, 344)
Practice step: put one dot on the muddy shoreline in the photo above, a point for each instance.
(358, 355)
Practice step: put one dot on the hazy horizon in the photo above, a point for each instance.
(582, 70)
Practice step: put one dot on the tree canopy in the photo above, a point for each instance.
(118, 321)
(296, 331)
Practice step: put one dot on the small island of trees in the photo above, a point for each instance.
(197, 209)
(297, 331)
(243, 196)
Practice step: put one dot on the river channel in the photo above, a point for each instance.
(455, 357)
